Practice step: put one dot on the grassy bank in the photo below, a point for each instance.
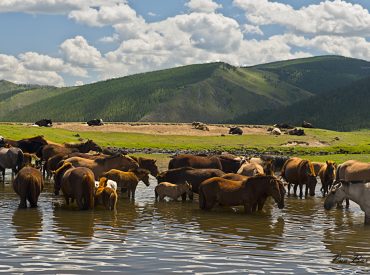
(341, 145)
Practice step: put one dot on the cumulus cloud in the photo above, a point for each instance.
(252, 29)
(328, 17)
(78, 51)
(207, 6)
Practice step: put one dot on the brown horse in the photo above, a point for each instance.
(232, 176)
(299, 172)
(106, 194)
(101, 165)
(195, 162)
(317, 166)
(28, 145)
(75, 183)
(327, 176)
(28, 184)
(233, 193)
(128, 180)
(193, 176)
(230, 163)
(148, 164)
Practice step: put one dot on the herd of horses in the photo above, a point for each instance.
(91, 175)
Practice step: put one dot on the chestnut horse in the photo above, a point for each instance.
(28, 184)
(248, 192)
(75, 183)
(101, 165)
(299, 172)
(106, 194)
(148, 164)
(327, 176)
(251, 169)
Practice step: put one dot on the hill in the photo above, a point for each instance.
(209, 92)
(342, 109)
(319, 74)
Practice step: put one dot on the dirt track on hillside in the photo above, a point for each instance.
(160, 128)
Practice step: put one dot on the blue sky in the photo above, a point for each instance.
(70, 42)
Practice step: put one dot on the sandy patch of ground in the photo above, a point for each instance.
(160, 128)
(305, 144)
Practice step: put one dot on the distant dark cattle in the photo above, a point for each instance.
(95, 122)
(296, 132)
(44, 123)
(235, 131)
(306, 124)
(2, 141)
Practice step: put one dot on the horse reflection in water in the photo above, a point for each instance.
(27, 224)
(262, 229)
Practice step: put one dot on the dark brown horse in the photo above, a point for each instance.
(327, 176)
(76, 184)
(193, 176)
(28, 184)
(28, 145)
(233, 193)
(195, 162)
(148, 164)
(298, 172)
(10, 158)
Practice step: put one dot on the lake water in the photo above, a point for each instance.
(164, 237)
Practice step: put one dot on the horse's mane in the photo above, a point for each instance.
(66, 165)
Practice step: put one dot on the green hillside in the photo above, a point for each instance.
(209, 92)
(319, 74)
(341, 109)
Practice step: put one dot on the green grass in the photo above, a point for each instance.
(349, 142)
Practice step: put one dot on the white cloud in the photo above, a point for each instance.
(328, 17)
(77, 51)
(207, 6)
(104, 15)
(252, 29)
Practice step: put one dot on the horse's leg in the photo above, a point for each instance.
(367, 219)
(80, 203)
(183, 197)
(261, 203)
(306, 191)
(44, 168)
(347, 203)
(295, 189)
(247, 208)
(254, 207)
(289, 188)
(67, 199)
(23, 203)
(191, 195)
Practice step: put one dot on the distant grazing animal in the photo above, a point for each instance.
(297, 171)
(296, 132)
(99, 166)
(106, 194)
(283, 126)
(2, 141)
(28, 184)
(317, 166)
(235, 131)
(95, 122)
(148, 164)
(195, 162)
(10, 158)
(174, 191)
(327, 176)
(306, 124)
(248, 192)
(251, 169)
(128, 180)
(76, 184)
(193, 176)
(276, 132)
(357, 192)
(44, 123)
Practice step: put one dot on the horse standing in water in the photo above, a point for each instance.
(11, 158)
(357, 192)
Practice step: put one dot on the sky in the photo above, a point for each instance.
(74, 42)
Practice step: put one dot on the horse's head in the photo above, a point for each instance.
(269, 167)
(330, 168)
(336, 194)
(58, 174)
(149, 164)
(143, 175)
(277, 191)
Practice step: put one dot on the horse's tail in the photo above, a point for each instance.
(88, 192)
(282, 173)
(32, 190)
(202, 198)
(20, 158)
(112, 201)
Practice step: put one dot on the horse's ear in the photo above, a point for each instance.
(327, 162)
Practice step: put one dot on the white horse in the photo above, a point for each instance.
(357, 192)
(110, 183)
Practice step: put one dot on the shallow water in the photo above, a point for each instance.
(162, 237)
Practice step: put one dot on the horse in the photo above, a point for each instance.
(249, 192)
(76, 183)
(232, 176)
(28, 184)
(128, 180)
(194, 176)
(30, 160)
(148, 164)
(28, 145)
(101, 165)
(106, 194)
(174, 191)
(317, 166)
(201, 162)
(230, 163)
(10, 158)
(103, 181)
(251, 169)
(357, 192)
(327, 176)
(299, 172)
